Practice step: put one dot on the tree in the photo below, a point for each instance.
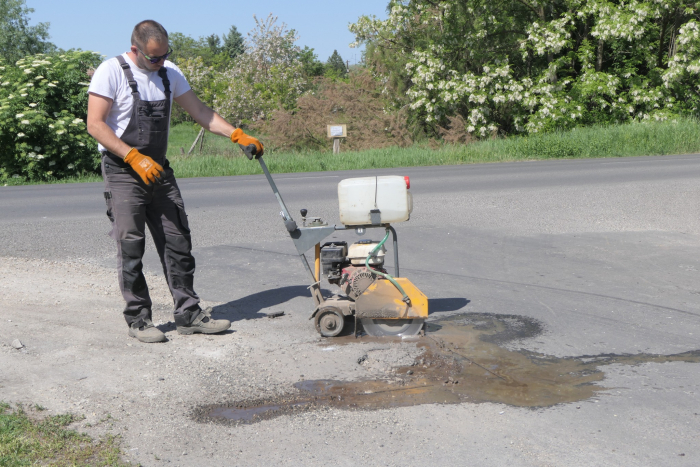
(312, 65)
(185, 47)
(268, 76)
(233, 43)
(17, 38)
(214, 43)
(335, 66)
(531, 65)
(209, 49)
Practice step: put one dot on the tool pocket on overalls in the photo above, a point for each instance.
(178, 250)
(132, 267)
(111, 168)
(110, 211)
(153, 124)
(182, 217)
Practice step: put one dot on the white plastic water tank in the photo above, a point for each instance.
(357, 197)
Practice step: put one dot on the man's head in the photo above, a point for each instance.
(149, 42)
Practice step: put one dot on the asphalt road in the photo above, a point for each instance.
(604, 253)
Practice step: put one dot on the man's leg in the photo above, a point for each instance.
(126, 208)
(168, 224)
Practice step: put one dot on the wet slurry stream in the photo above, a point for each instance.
(464, 360)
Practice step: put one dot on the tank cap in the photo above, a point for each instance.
(408, 182)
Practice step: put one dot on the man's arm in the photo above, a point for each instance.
(213, 122)
(203, 115)
(98, 109)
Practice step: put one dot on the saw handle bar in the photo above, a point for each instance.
(289, 223)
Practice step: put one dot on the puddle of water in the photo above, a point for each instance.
(463, 361)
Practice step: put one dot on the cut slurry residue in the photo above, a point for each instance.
(463, 361)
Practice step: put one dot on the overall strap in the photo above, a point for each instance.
(129, 77)
(163, 73)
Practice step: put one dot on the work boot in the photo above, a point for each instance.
(144, 331)
(205, 324)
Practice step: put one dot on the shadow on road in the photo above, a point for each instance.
(436, 305)
(250, 307)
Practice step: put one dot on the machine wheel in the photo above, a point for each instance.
(392, 327)
(329, 321)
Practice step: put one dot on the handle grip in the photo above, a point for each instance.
(250, 151)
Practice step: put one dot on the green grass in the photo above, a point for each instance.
(219, 157)
(25, 440)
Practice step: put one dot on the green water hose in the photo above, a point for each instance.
(385, 275)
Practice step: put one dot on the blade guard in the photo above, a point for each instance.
(381, 300)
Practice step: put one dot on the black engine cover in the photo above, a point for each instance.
(333, 258)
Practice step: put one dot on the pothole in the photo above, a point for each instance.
(464, 360)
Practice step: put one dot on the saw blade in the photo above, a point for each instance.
(392, 327)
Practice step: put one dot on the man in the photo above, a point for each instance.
(129, 103)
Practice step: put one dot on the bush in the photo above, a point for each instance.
(43, 108)
(523, 67)
(357, 102)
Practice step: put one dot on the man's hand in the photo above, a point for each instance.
(149, 170)
(250, 146)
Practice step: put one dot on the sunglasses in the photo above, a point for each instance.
(155, 60)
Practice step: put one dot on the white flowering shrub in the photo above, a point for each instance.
(268, 76)
(526, 66)
(43, 107)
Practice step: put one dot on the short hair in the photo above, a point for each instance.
(148, 30)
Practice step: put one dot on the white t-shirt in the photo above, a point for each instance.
(109, 81)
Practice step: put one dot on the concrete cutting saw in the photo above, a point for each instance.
(385, 305)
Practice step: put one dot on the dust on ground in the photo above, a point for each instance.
(162, 399)
(76, 357)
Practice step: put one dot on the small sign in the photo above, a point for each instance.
(337, 131)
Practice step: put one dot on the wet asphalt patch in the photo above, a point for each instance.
(464, 360)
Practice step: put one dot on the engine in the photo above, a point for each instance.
(345, 266)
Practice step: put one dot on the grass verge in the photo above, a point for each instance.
(218, 157)
(25, 440)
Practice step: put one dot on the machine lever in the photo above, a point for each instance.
(288, 221)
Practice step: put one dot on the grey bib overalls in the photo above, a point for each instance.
(131, 205)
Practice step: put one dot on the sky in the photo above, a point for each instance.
(105, 27)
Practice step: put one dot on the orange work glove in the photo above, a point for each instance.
(149, 170)
(245, 142)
